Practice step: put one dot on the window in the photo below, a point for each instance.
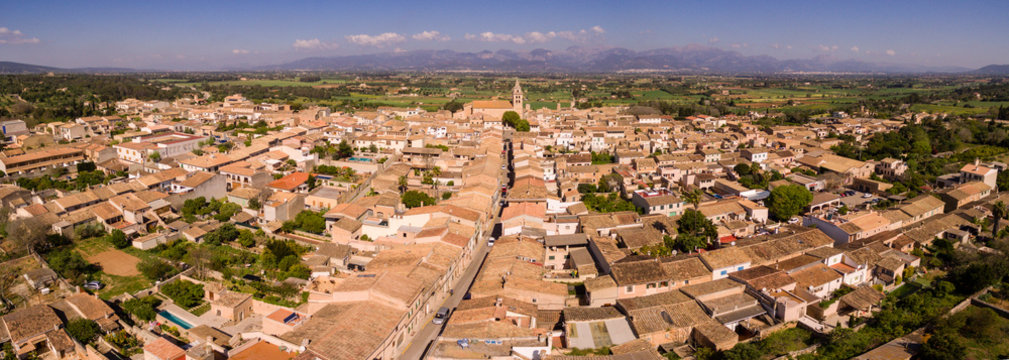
(739, 268)
(630, 289)
(664, 284)
(724, 272)
(551, 257)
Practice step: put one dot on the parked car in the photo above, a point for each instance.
(867, 195)
(490, 242)
(94, 285)
(440, 316)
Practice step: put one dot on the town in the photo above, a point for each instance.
(199, 228)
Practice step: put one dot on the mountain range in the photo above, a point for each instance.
(687, 59)
(690, 59)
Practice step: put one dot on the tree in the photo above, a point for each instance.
(255, 204)
(693, 196)
(118, 239)
(694, 231)
(8, 277)
(199, 258)
(86, 166)
(453, 106)
(28, 233)
(510, 118)
(787, 201)
(70, 264)
(944, 345)
(742, 169)
(414, 198)
(402, 182)
(522, 126)
(155, 156)
(223, 234)
(344, 150)
(185, 294)
(308, 221)
(155, 269)
(83, 330)
(998, 212)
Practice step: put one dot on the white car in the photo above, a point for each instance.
(794, 220)
(866, 196)
(490, 242)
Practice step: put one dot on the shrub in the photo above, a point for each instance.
(142, 308)
(185, 294)
(83, 330)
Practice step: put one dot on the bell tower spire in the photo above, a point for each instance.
(518, 102)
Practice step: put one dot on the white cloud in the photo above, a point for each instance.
(379, 40)
(827, 48)
(789, 47)
(891, 52)
(739, 45)
(713, 40)
(534, 37)
(399, 50)
(15, 37)
(538, 37)
(492, 37)
(430, 35)
(313, 44)
(854, 48)
(239, 51)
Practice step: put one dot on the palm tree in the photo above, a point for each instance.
(998, 212)
(693, 196)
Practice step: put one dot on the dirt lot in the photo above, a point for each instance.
(116, 262)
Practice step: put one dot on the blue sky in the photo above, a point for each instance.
(200, 35)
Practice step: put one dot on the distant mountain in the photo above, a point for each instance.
(686, 59)
(690, 59)
(992, 70)
(7, 67)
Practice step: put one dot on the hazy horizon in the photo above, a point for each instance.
(190, 35)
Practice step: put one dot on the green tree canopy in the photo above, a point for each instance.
(83, 330)
(694, 231)
(787, 201)
(414, 198)
(185, 294)
(118, 239)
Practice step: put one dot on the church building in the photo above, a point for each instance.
(495, 109)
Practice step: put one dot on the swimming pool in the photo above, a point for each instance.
(171, 317)
(361, 159)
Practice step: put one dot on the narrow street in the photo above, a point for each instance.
(421, 343)
(419, 346)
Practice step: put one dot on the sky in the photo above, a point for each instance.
(210, 35)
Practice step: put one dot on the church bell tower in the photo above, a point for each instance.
(517, 99)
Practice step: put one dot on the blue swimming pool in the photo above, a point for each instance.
(361, 159)
(171, 317)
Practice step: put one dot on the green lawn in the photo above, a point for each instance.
(116, 285)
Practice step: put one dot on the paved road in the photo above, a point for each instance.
(419, 346)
